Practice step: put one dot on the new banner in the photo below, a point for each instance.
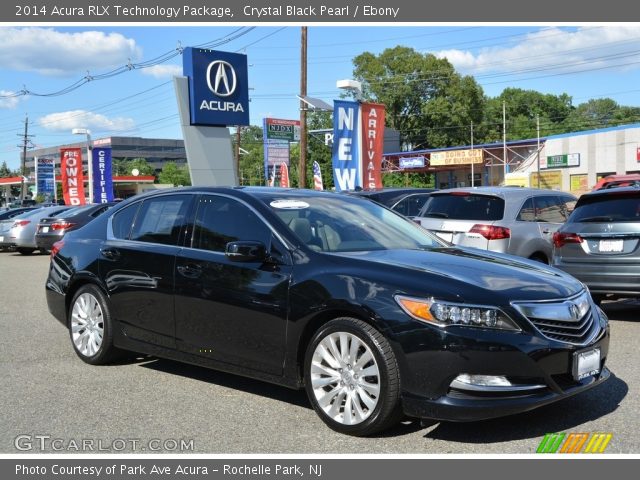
(45, 178)
(102, 178)
(72, 176)
(372, 144)
(347, 168)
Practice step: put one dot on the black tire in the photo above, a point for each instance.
(106, 352)
(25, 251)
(539, 257)
(387, 411)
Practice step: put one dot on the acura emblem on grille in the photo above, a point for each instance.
(574, 311)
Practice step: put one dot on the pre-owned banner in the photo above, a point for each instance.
(72, 176)
(45, 178)
(102, 178)
(372, 137)
(347, 168)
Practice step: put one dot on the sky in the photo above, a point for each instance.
(591, 61)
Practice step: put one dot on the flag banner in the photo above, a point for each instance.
(372, 138)
(276, 151)
(46, 178)
(347, 168)
(102, 177)
(72, 176)
(284, 176)
(317, 177)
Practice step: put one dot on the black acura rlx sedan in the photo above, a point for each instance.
(374, 316)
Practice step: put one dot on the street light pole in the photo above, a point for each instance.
(87, 132)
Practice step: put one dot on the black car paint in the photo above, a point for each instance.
(258, 323)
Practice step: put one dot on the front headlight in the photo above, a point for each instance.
(444, 314)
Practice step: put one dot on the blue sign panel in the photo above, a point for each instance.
(102, 179)
(218, 87)
(347, 169)
(45, 178)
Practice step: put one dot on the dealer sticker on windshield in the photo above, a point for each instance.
(289, 204)
(586, 363)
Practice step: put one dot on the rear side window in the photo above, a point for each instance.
(465, 206)
(549, 209)
(160, 220)
(410, 206)
(610, 208)
(123, 221)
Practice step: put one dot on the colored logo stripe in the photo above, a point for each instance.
(598, 443)
(550, 443)
(574, 442)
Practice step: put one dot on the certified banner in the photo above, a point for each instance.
(45, 178)
(102, 179)
(72, 176)
(372, 144)
(347, 168)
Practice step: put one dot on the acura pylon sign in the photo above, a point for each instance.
(218, 87)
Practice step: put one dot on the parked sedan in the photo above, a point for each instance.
(600, 243)
(52, 229)
(21, 235)
(405, 201)
(374, 316)
(519, 221)
(14, 212)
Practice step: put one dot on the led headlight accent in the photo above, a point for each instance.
(444, 314)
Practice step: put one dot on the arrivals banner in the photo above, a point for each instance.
(102, 177)
(72, 176)
(284, 176)
(46, 178)
(347, 168)
(372, 137)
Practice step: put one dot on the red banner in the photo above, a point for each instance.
(372, 144)
(72, 177)
(284, 176)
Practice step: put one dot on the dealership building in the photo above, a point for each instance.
(571, 162)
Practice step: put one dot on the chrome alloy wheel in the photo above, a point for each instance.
(345, 378)
(87, 325)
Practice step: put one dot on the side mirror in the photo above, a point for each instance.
(246, 251)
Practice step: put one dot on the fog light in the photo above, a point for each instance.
(484, 380)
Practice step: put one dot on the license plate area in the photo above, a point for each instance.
(611, 246)
(586, 363)
(44, 229)
(446, 236)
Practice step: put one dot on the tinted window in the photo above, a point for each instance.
(549, 209)
(527, 212)
(465, 206)
(411, 205)
(610, 208)
(220, 220)
(161, 219)
(123, 221)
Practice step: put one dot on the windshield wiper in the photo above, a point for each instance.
(601, 218)
(437, 214)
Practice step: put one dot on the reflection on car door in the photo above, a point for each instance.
(232, 312)
(137, 262)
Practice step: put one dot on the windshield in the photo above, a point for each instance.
(345, 224)
(610, 208)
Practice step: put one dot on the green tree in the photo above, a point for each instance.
(5, 171)
(124, 166)
(172, 174)
(251, 168)
(425, 98)
(600, 113)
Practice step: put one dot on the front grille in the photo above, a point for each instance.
(576, 332)
(571, 321)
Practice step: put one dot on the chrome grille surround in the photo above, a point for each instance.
(572, 320)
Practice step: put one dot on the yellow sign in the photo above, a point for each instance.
(517, 180)
(579, 182)
(551, 179)
(457, 157)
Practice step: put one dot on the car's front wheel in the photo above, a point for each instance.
(90, 326)
(352, 378)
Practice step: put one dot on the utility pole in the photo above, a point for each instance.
(472, 157)
(538, 129)
(302, 168)
(504, 139)
(23, 164)
(238, 133)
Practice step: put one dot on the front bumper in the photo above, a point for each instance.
(431, 360)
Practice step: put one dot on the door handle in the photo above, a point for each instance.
(546, 231)
(190, 270)
(110, 253)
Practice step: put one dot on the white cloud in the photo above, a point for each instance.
(556, 49)
(49, 52)
(8, 101)
(83, 119)
(163, 71)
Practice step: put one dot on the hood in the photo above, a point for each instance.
(492, 274)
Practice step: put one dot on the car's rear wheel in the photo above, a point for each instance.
(25, 251)
(90, 326)
(352, 378)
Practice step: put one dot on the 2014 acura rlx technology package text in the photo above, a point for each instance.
(375, 317)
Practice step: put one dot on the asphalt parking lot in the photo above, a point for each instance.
(45, 390)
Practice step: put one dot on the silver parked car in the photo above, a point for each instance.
(518, 221)
(22, 232)
(600, 243)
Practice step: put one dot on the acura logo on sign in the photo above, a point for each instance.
(224, 82)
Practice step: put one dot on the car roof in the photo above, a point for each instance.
(606, 192)
(504, 192)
